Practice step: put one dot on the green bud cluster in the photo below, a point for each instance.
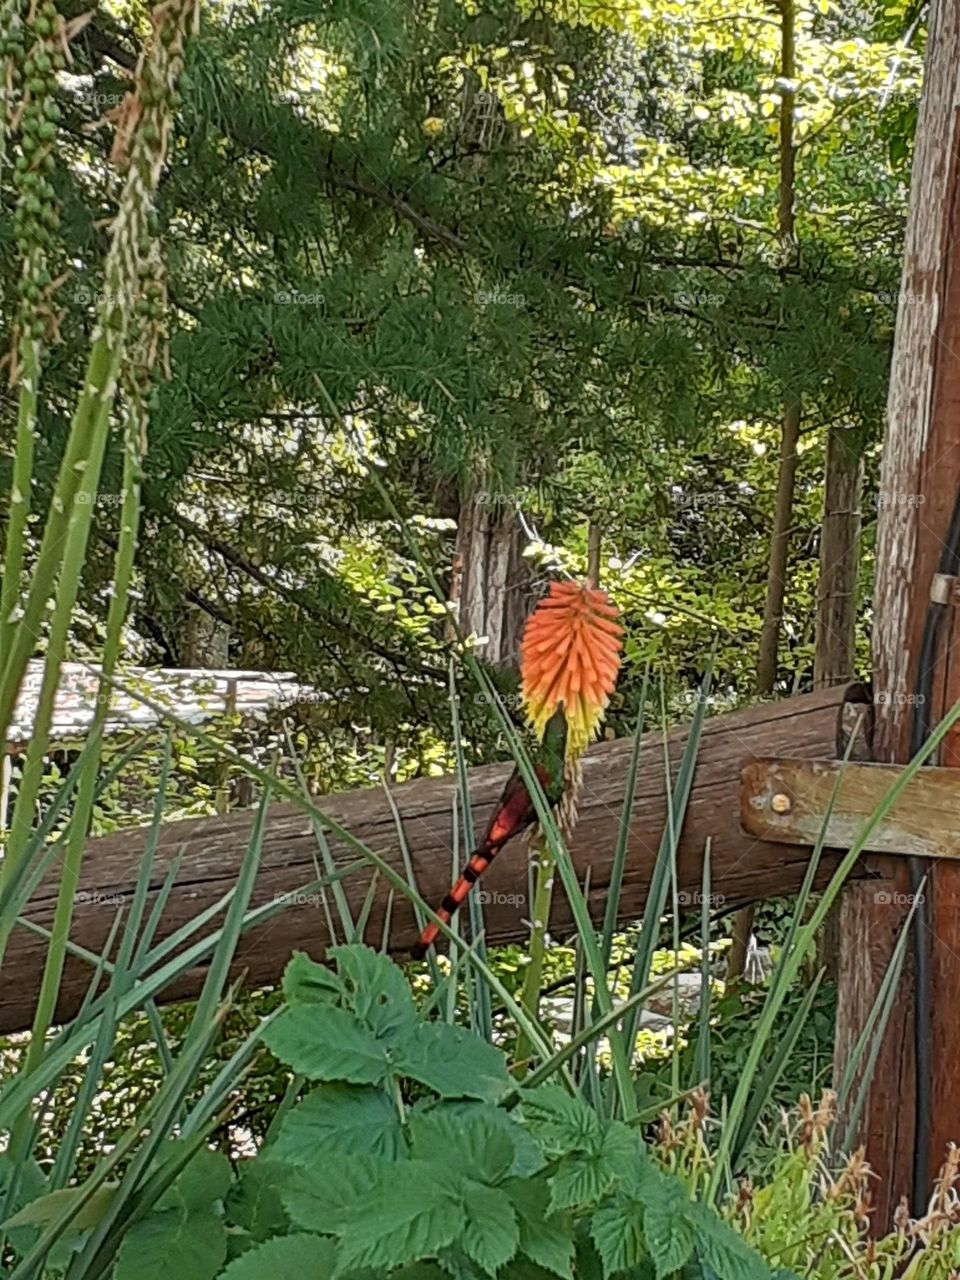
(39, 56)
(134, 268)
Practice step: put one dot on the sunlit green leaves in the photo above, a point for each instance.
(342, 1120)
(373, 1034)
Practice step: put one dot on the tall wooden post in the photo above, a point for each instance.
(919, 484)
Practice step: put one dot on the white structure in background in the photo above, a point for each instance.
(194, 695)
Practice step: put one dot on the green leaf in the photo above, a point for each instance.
(254, 1200)
(527, 1157)
(579, 1181)
(315, 1201)
(377, 991)
(43, 1210)
(327, 1044)
(561, 1123)
(720, 1248)
(611, 1154)
(524, 1269)
(617, 1231)
(306, 982)
(545, 1237)
(298, 1257)
(171, 1246)
(491, 1235)
(458, 1266)
(200, 1184)
(454, 1063)
(669, 1232)
(339, 1119)
(470, 1142)
(407, 1215)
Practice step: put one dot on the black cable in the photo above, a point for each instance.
(920, 729)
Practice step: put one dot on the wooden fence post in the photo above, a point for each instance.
(919, 483)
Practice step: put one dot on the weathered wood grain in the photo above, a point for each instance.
(919, 481)
(744, 868)
(922, 822)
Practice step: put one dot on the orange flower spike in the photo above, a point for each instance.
(570, 654)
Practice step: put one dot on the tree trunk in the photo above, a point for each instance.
(789, 437)
(593, 553)
(790, 427)
(204, 641)
(835, 648)
(496, 586)
(835, 651)
(919, 484)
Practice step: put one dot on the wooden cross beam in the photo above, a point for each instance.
(744, 868)
(789, 802)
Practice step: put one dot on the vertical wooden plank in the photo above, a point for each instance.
(919, 482)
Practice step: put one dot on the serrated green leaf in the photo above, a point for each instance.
(253, 1201)
(491, 1235)
(528, 1159)
(470, 1142)
(580, 1180)
(43, 1210)
(458, 1266)
(327, 1044)
(200, 1184)
(669, 1232)
(340, 1119)
(561, 1123)
(611, 1153)
(306, 982)
(546, 1238)
(315, 1201)
(171, 1246)
(720, 1248)
(298, 1257)
(407, 1214)
(524, 1269)
(617, 1231)
(377, 991)
(454, 1063)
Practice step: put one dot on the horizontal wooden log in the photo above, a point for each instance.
(744, 869)
(787, 801)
